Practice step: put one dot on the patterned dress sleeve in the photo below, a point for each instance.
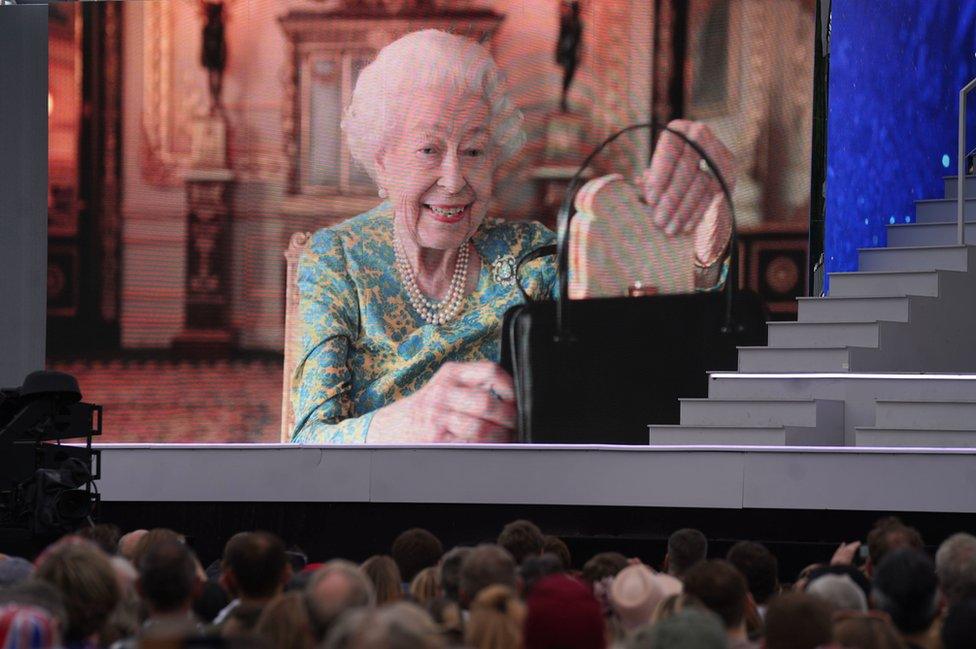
(329, 317)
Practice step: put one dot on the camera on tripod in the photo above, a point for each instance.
(46, 487)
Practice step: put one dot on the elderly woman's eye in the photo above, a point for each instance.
(475, 153)
(427, 150)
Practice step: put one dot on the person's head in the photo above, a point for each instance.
(104, 535)
(959, 625)
(401, 625)
(167, 577)
(955, 564)
(687, 629)
(449, 572)
(563, 614)
(424, 586)
(382, 571)
(535, 568)
(603, 566)
(798, 621)
(496, 619)
(906, 588)
(485, 566)
(887, 535)
(839, 591)
(673, 604)
(522, 539)
(28, 627)
(14, 570)
(415, 550)
(686, 547)
(636, 593)
(335, 588)
(89, 590)
(150, 538)
(128, 542)
(285, 623)
(867, 631)
(721, 588)
(758, 565)
(430, 120)
(255, 566)
(555, 545)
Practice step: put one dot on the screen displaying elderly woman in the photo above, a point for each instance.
(401, 306)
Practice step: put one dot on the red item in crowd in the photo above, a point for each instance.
(563, 614)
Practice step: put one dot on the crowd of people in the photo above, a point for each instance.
(97, 588)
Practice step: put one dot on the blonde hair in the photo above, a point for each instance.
(426, 59)
(497, 617)
(285, 623)
(424, 586)
(382, 571)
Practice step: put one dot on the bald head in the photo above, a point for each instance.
(335, 588)
(128, 543)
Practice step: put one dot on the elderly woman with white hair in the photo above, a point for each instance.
(401, 306)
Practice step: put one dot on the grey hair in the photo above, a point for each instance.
(425, 59)
(840, 592)
(955, 565)
(687, 629)
(401, 625)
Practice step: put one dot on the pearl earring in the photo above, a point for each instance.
(382, 192)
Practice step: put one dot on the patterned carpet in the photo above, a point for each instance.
(182, 400)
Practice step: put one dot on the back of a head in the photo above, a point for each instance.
(449, 571)
(686, 629)
(152, 537)
(959, 625)
(686, 547)
(84, 577)
(485, 566)
(39, 594)
(424, 586)
(603, 565)
(401, 625)
(104, 535)
(720, 587)
(867, 632)
(555, 545)
(521, 539)
(840, 592)
(906, 588)
(335, 588)
(955, 564)
(167, 576)
(382, 571)
(798, 621)
(496, 619)
(535, 568)
(758, 565)
(889, 534)
(415, 550)
(285, 623)
(258, 563)
(563, 614)
(14, 570)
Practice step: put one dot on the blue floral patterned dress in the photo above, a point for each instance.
(363, 344)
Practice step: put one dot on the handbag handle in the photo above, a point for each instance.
(567, 211)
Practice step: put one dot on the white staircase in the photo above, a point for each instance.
(888, 359)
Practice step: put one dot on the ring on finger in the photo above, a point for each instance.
(703, 166)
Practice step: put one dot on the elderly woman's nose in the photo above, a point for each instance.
(452, 174)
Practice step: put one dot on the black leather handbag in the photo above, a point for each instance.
(599, 371)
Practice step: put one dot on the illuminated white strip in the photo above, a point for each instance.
(847, 375)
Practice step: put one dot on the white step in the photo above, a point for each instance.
(942, 209)
(777, 359)
(913, 438)
(662, 435)
(885, 283)
(935, 414)
(825, 414)
(823, 334)
(927, 234)
(950, 183)
(914, 258)
(852, 309)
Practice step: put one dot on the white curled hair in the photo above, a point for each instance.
(425, 59)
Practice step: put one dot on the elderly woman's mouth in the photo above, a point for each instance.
(448, 213)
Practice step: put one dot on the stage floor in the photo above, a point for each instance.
(794, 478)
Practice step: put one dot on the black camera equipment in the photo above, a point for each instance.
(47, 488)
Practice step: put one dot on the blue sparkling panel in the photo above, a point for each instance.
(895, 73)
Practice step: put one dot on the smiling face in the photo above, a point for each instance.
(437, 167)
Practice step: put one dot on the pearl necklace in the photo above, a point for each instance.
(432, 311)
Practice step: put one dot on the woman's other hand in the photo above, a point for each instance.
(686, 198)
(462, 402)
